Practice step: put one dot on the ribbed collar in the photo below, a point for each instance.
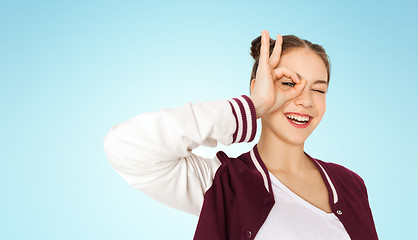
(261, 167)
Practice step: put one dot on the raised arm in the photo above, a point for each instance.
(153, 151)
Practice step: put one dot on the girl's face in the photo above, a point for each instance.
(310, 66)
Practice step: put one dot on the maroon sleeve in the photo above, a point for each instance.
(245, 117)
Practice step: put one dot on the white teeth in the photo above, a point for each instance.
(298, 122)
(297, 117)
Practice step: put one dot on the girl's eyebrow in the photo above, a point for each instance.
(316, 82)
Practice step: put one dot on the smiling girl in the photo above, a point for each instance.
(274, 191)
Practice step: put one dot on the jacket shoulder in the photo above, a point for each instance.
(343, 174)
(224, 158)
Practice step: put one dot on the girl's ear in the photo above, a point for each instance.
(252, 85)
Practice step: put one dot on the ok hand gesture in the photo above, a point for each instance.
(265, 96)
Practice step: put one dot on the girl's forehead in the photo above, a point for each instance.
(307, 64)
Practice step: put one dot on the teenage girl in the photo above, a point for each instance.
(274, 191)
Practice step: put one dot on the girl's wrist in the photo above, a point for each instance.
(258, 106)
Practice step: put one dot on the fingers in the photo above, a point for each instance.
(298, 88)
(282, 71)
(265, 47)
(277, 50)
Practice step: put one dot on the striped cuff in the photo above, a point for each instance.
(245, 118)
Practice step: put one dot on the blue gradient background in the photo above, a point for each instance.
(70, 70)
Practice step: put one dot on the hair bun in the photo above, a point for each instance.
(256, 46)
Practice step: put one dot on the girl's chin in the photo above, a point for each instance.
(296, 135)
(296, 140)
(290, 133)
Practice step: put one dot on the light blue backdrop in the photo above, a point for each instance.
(70, 70)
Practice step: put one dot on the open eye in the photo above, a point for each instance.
(291, 84)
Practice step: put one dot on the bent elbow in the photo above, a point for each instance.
(110, 143)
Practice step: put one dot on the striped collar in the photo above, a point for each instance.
(261, 167)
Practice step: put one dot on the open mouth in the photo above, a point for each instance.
(299, 121)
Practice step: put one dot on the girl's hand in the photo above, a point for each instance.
(265, 96)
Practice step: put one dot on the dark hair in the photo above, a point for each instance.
(290, 42)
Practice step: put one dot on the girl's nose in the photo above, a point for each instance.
(304, 99)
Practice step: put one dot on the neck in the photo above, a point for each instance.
(279, 155)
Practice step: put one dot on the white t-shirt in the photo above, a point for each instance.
(294, 218)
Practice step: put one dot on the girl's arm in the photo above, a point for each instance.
(153, 151)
